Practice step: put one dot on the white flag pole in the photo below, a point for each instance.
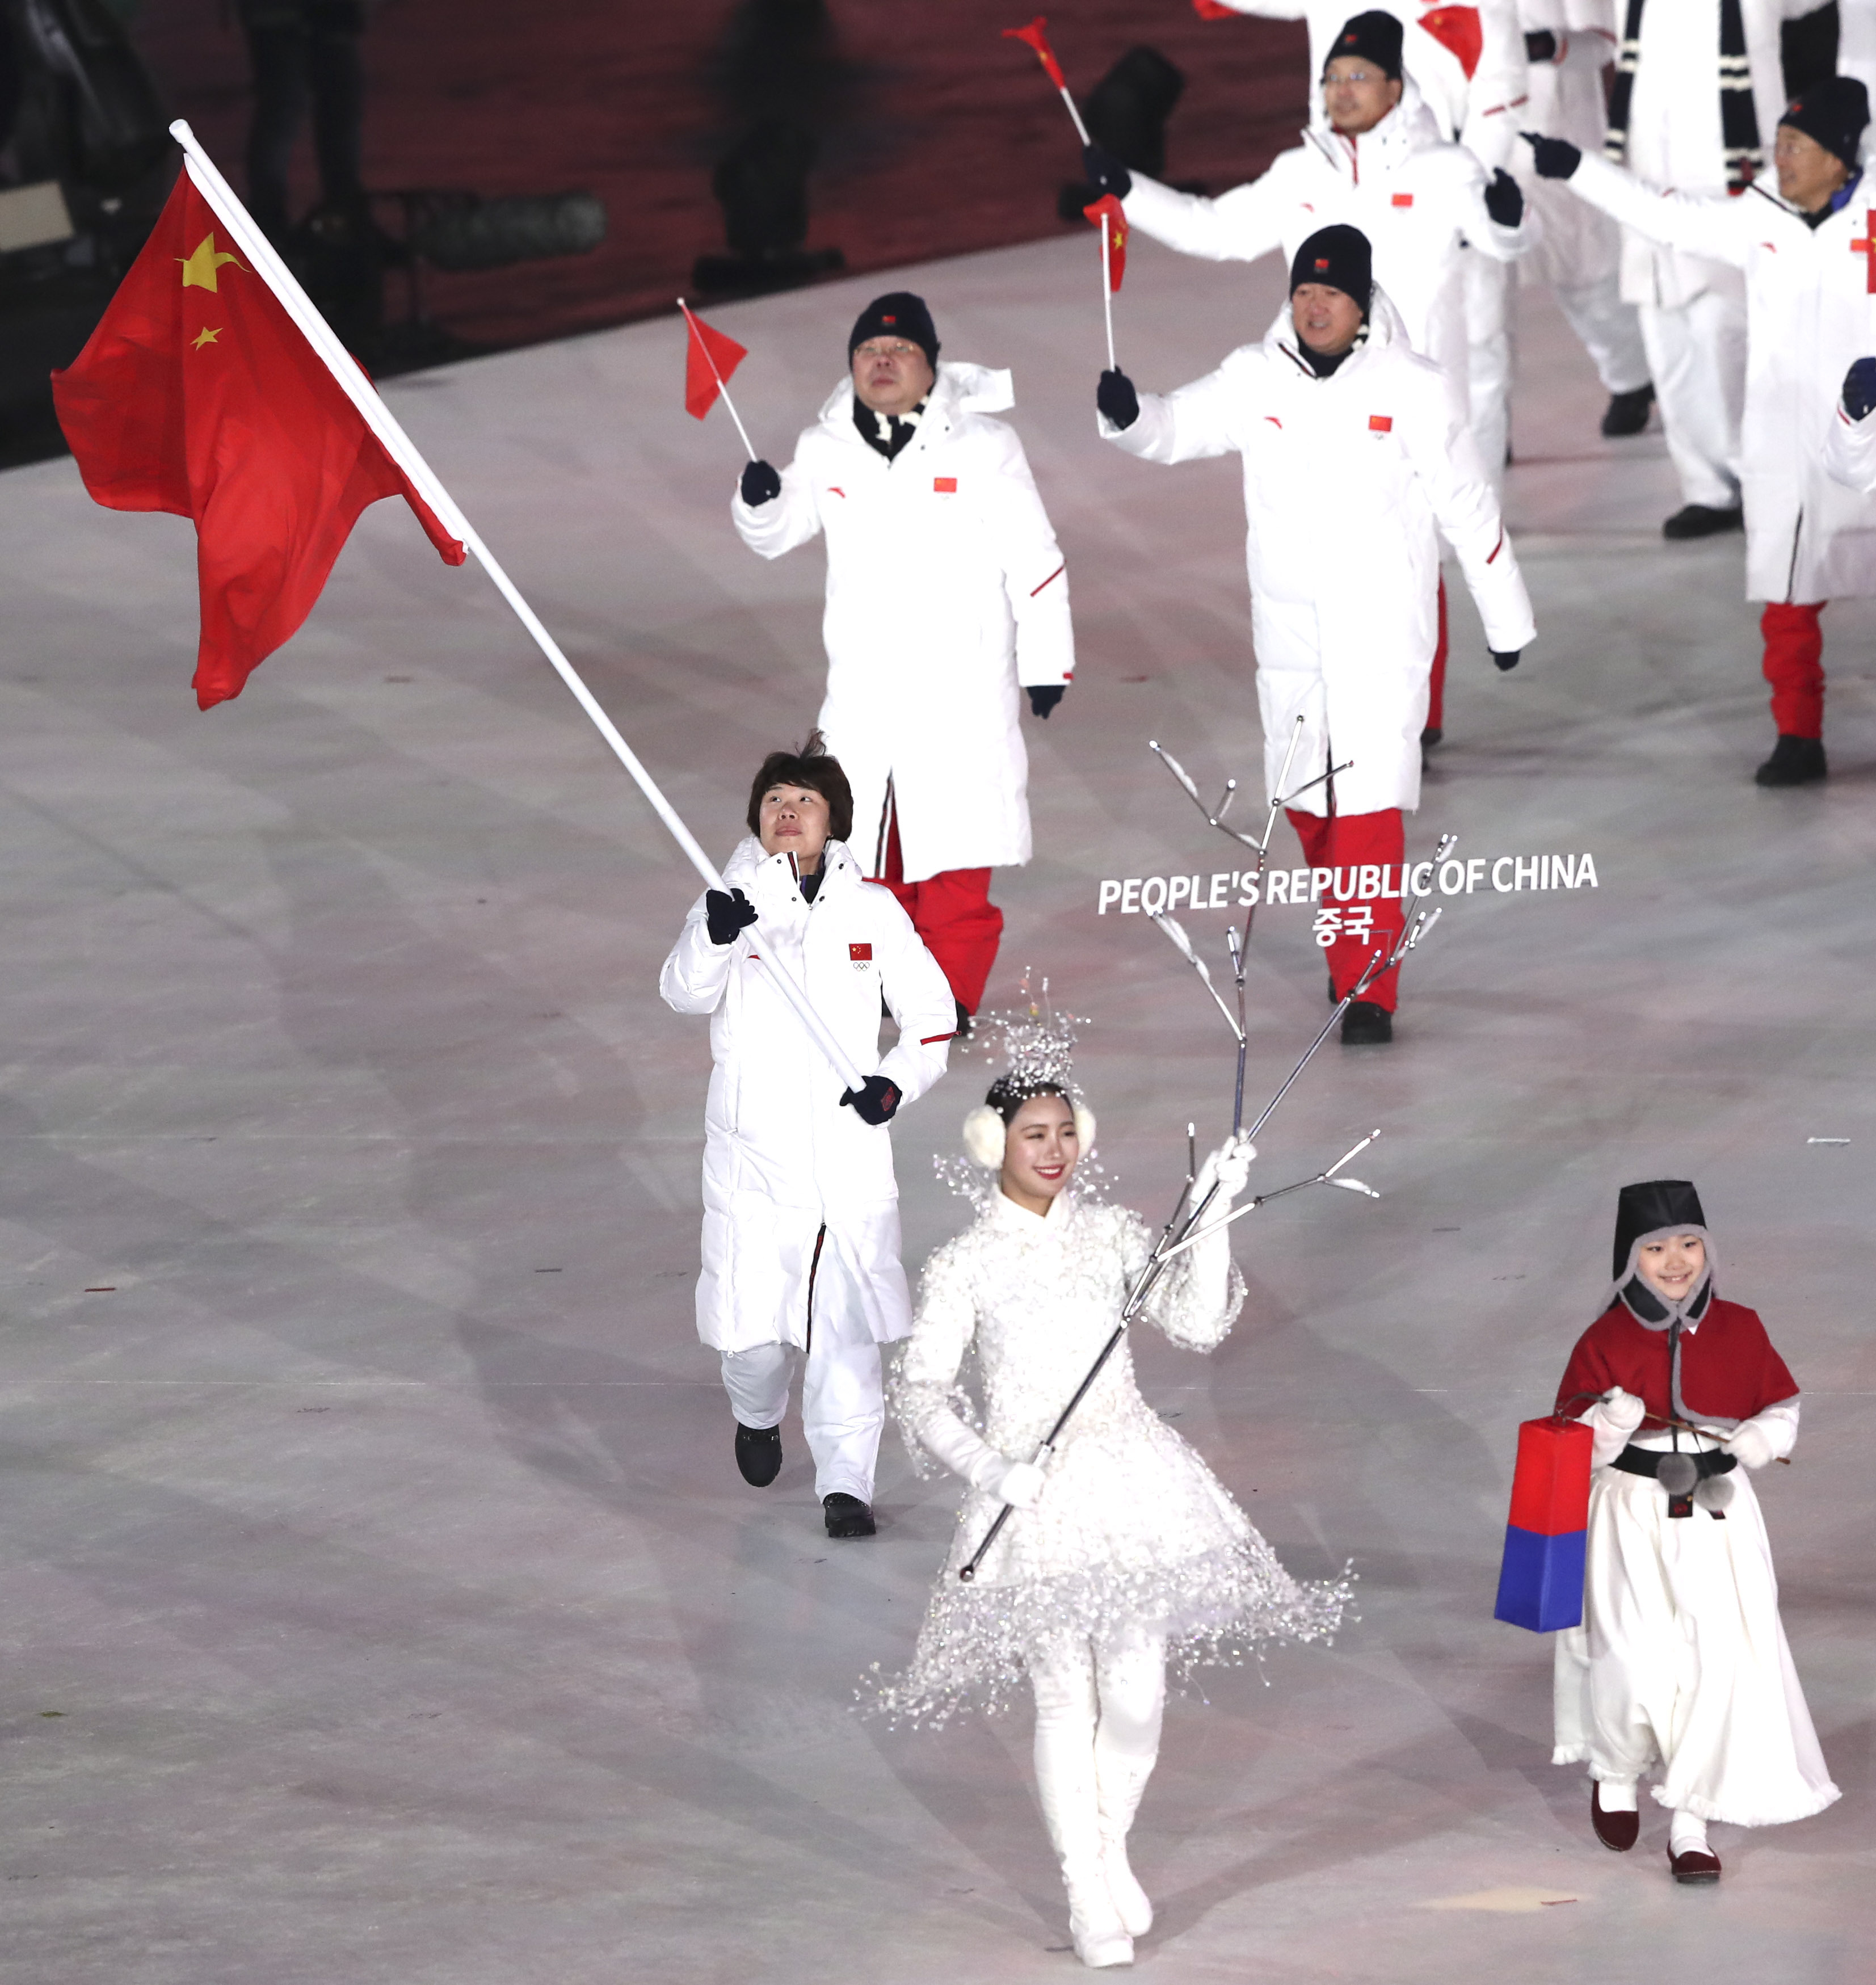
(710, 362)
(357, 388)
(1107, 289)
(1080, 128)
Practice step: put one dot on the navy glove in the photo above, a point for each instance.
(1044, 697)
(1540, 46)
(1860, 389)
(1116, 398)
(725, 911)
(1506, 658)
(760, 484)
(1555, 158)
(1504, 199)
(1105, 172)
(875, 1099)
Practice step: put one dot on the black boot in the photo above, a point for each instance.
(1366, 1025)
(1698, 520)
(1627, 413)
(847, 1516)
(964, 1018)
(1795, 761)
(1431, 736)
(758, 1454)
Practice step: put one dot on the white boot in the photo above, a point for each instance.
(1065, 1780)
(1120, 1783)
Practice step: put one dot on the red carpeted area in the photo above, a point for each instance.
(938, 137)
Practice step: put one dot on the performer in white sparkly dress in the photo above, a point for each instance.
(1126, 1545)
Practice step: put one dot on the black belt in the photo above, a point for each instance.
(1710, 1462)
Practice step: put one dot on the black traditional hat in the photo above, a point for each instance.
(1375, 37)
(1834, 112)
(1649, 1208)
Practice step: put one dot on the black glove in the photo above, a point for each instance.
(1860, 389)
(1044, 697)
(760, 484)
(1105, 172)
(1555, 158)
(725, 911)
(1116, 398)
(1540, 46)
(1504, 199)
(1506, 658)
(875, 1099)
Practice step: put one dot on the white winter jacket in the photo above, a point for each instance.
(1418, 200)
(782, 1155)
(1345, 481)
(946, 590)
(1466, 63)
(1674, 136)
(1581, 247)
(1809, 313)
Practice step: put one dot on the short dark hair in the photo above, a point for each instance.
(809, 764)
(1009, 1093)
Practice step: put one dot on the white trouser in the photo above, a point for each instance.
(1608, 329)
(842, 1406)
(1488, 357)
(1097, 1738)
(1696, 356)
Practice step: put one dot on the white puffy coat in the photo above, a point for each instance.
(1466, 63)
(1580, 246)
(1346, 479)
(1674, 135)
(946, 590)
(1809, 313)
(782, 1155)
(1418, 200)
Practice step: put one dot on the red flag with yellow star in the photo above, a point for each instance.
(198, 395)
(1107, 212)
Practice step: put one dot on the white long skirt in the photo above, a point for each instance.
(1681, 1660)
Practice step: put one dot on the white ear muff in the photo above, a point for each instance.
(983, 1137)
(1084, 1129)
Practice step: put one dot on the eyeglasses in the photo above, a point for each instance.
(898, 349)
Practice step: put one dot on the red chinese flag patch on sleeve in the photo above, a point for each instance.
(861, 954)
(1403, 200)
(1381, 423)
(945, 485)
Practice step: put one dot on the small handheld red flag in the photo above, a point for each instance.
(1107, 212)
(1039, 41)
(709, 359)
(197, 394)
(1209, 10)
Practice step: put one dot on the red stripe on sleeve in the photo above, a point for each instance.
(932, 1040)
(1051, 580)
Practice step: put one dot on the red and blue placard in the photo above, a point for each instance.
(1541, 1583)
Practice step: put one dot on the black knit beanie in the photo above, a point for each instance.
(1835, 112)
(1339, 257)
(1373, 36)
(901, 314)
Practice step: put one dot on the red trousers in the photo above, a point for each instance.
(1436, 683)
(1795, 667)
(1360, 848)
(952, 912)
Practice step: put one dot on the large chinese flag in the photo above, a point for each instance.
(198, 395)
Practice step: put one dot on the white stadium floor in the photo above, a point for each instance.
(382, 1605)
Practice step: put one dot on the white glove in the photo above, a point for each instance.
(1021, 1485)
(1620, 1412)
(1229, 1166)
(1751, 1444)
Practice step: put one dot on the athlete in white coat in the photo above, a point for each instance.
(947, 593)
(1357, 458)
(1699, 85)
(800, 1209)
(1569, 43)
(1807, 263)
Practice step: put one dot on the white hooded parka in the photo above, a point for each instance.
(782, 1155)
(1349, 481)
(1809, 314)
(946, 592)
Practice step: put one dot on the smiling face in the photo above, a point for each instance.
(1807, 173)
(1671, 1267)
(1041, 1149)
(793, 821)
(1357, 94)
(1328, 321)
(891, 375)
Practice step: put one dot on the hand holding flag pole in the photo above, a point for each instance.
(702, 383)
(1037, 39)
(265, 261)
